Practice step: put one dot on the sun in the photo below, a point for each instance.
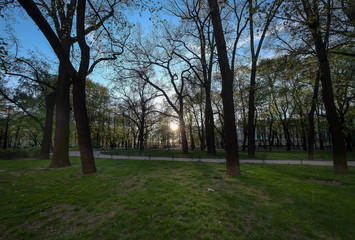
(174, 126)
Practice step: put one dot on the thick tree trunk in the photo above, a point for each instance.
(336, 128)
(231, 141)
(60, 156)
(82, 126)
(48, 126)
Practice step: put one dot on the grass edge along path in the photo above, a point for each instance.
(320, 155)
(130, 199)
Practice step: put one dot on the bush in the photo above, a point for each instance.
(15, 153)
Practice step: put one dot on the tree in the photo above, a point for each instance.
(195, 18)
(196, 107)
(159, 57)
(232, 155)
(312, 19)
(343, 70)
(137, 105)
(99, 109)
(33, 75)
(270, 11)
(63, 17)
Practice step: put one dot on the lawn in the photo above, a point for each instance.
(321, 155)
(129, 199)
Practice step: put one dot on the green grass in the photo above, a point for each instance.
(129, 199)
(324, 155)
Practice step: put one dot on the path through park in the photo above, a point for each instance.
(98, 154)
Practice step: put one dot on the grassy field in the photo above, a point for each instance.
(324, 155)
(129, 199)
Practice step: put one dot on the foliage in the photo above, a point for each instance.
(174, 200)
(16, 153)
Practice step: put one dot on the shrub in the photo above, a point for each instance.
(15, 153)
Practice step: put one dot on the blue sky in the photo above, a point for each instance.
(32, 39)
(27, 32)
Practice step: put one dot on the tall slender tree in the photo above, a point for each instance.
(270, 12)
(231, 141)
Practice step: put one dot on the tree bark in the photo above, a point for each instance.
(48, 126)
(82, 126)
(231, 141)
(60, 156)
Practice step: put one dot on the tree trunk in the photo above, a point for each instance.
(209, 125)
(192, 140)
(288, 138)
(336, 128)
(231, 141)
(320, 134)
(251, 104)
(141, 136)
(47, 133)
(311, 132)
(245, 136)
(82, 126)
(251, 113)
(271, 135)
(60, 156)
(201, 131)
(184, 144)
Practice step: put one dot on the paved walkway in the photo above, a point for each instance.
(97, 154)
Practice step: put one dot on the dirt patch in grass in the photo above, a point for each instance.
(325, 182)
